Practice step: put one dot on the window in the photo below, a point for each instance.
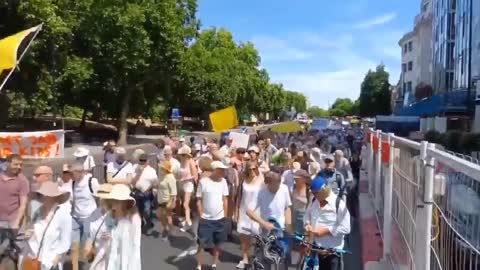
(461, 63)
(405, 48)
(410, 66)
(410, 46)
(425, 6)
(404, 87)
(409, 86)
(463, 24)
(454, 4)
(442, 22)
(404, 67)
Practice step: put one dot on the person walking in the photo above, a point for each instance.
(143, 180)
(41, 175)
(328, 221)
(98, 229)
(167, 194)
(82, 155)
(51, 228)
(83, 205)
(212, 196)
(121, 170)
(300, 199)
(14, 190)
(125, 251)
(247, 198)
(188, 179)
(65, 183)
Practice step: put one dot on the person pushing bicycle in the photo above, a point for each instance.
(327, 221)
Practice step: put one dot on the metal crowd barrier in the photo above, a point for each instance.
(427, 202)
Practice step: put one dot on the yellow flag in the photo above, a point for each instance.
(224, 119)
(10, 46)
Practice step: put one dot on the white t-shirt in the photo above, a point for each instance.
(212, 193)
(175, 168)
(146, 180)
(114, 167)
(82, 199)
(274, 205)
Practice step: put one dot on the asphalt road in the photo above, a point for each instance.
(173, 255)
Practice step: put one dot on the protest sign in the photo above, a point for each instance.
(38, 144)
(239, 140)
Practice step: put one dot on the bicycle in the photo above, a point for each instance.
(9, 248)
(267, 250)
(311, 260)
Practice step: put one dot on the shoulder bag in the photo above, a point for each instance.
(34, 263)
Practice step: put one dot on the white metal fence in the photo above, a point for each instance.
(427, 202)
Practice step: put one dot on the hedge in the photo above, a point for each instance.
(455, 140)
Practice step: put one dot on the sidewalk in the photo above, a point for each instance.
(372, 243)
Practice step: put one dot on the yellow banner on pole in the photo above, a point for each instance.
(11, 53)
(224, 119)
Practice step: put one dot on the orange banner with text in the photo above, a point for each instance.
(37, 144)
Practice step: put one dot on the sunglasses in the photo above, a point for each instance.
(253, 169)
(39, 174)
(142, 160)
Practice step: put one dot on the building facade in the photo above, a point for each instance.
(416, 49)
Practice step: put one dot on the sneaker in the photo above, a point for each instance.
(214, 267)
(198, 268)
(164, 236)
(185, 226)
(241, 265)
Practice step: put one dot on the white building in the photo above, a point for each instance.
(416, 54)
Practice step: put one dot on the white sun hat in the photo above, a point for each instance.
(120, 192)
(81, 152)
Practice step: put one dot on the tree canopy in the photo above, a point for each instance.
(375, 93)
(129, 58)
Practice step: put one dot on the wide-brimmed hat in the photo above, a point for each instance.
(81, 152)
(51, 189)
(103, 190)
(218, 165)
(119, 192)
(185, 150)
(167, 166)
(120, 151)
(205, 163)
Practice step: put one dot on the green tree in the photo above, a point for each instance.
(342, 107)
(296, 100)
(375, 93)
(317, 112)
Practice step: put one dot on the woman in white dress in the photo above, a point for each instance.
(247, 198)
(49, 238)
(126, 235)
(98, 229)
(188, 178)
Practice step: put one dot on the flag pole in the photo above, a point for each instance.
(21, 56)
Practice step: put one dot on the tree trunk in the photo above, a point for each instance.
(122, 120)
(84, 119)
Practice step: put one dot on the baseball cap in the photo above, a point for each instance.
(318, 184)
(218, 165)
(328, 157)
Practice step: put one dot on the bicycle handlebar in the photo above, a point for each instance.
(316, 248)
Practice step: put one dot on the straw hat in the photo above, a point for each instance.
(103, 190)
(51, 189)
(185, 150)
(119, 192)
(81, 152)
(205, 163)
(167, 166)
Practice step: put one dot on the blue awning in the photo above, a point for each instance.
(450, 102)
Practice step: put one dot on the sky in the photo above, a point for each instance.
(318, 47)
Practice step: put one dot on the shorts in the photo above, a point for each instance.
(211, 233)
(187, 186)
(78, 230)
(162, 205)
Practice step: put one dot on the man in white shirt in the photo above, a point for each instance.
(144, 178)
(168, 156)
(328, 221)
(273, 202)
(212, 196)
(225, 149)
(83, 205)
(121, 170)
(287, 176)
(82, 155)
